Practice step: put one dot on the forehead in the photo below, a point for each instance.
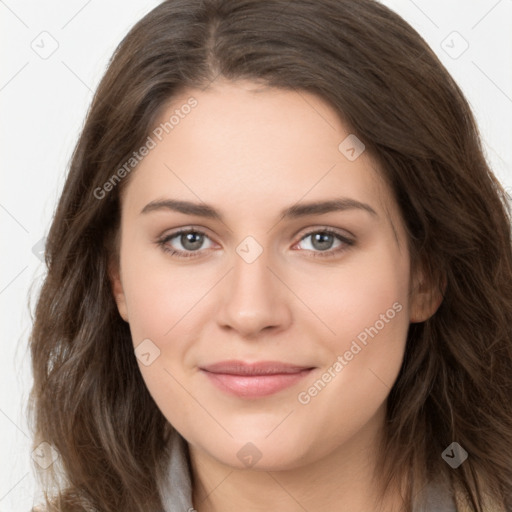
(248, 146)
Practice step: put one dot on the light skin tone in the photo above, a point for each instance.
(251, 155)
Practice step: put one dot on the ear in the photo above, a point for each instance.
(426, 295)
(117, 289)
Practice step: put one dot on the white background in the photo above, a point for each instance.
(43, 102)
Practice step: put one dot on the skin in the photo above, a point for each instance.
(250, 152)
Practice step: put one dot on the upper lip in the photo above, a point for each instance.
(258, 368)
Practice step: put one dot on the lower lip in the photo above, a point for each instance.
(255, 386)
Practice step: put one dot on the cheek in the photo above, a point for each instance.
(161, 304)
(352, 297)
(366, 311)
(160, 297)
(353, 385)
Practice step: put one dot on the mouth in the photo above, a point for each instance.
(254, 380)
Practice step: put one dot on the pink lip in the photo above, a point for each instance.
(254, 380)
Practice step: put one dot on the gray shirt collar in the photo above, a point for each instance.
(176, 491)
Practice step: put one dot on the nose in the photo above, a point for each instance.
(254, 299)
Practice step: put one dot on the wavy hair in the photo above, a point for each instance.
(88, 398)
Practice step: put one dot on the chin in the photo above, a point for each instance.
(258, 452)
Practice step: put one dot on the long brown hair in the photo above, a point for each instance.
(89, 400)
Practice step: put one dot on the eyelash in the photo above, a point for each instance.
(162, 243)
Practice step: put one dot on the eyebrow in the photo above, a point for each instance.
(292, 212)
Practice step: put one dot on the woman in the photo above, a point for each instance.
(279, 275)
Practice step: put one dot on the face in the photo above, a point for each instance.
(323, 292)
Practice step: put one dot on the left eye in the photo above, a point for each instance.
(321, 240)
